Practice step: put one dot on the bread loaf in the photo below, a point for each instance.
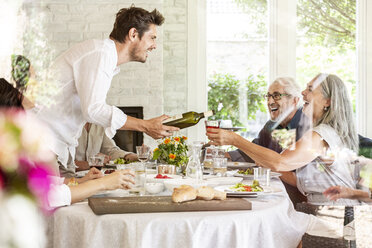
(183, 193)
(188, 193)
(219, 195)
(205, 193)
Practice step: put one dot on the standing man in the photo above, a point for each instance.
(83, 76)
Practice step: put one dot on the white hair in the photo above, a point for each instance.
(339, 114)
(290, 87)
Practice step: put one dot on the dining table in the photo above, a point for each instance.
(272, 222)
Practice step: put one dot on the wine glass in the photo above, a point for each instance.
(143, 153)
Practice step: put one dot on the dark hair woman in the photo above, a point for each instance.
(9, 96)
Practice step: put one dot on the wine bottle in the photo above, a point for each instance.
(187, 119)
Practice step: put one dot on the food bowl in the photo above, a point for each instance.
(152, 178)
(170, 184)
(154, 188)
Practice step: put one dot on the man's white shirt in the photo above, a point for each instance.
(83, 76)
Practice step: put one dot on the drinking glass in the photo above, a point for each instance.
(96, 161)
(212, 124)
(208, 157)
(219, 166)
(143, 153)
(262, 175)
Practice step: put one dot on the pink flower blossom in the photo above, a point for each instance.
(39, 183)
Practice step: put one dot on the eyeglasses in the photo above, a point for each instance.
(276, 96)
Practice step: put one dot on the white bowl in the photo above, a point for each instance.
(151, 178)
(154, 188)
(170, 184)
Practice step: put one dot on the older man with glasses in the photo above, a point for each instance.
(283, 102)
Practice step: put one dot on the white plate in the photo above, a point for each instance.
(151, 178)
(251, 177)
(81, 173)
(170, 184)
(214, 181)
(240, 165)
(267, 190)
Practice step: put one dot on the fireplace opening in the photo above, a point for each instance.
(128, 140)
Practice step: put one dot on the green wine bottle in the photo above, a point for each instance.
(187, 119)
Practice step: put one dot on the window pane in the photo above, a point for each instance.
(326, 41)
(237, 60)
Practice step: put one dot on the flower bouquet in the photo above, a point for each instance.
(24, 178)
(173, 151)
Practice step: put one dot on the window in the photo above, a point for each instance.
(326, 32)
(237, 61)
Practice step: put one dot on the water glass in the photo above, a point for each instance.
(139, 179)
(219, 153)
(96, 161)
(220, 166)
(262, 175)
(208, 157)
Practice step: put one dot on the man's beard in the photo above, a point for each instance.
(134, 55)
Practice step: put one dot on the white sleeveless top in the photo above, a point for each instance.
(314, 178)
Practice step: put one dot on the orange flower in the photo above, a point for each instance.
(184, 137)
(177, 139)
(167, 140)
(172, 156)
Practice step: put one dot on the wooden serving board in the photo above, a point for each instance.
(150, 204)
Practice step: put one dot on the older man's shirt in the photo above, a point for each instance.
(96, 141)
(83, 77)
(299, 122)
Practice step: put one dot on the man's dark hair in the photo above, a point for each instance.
(137, 18)
(9, 96)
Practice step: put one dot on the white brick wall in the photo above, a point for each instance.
(160, 84)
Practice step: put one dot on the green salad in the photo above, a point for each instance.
(122, 161)
(241, 187)
(248, 171)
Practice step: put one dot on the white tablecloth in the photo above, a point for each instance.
(272, 222)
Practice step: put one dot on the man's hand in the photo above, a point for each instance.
(106, 158)
(152, 127)
(155, 128)
(220, 137)
(131, 157)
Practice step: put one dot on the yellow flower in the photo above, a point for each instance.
(156, 149)
(167, 140)
(184, 137)
(172, 156)
(177, 139)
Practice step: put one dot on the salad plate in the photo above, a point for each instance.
(236, 191)
(214, 181)
(239, 165)
(251, 177)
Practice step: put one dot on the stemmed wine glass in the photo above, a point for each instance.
(143, 153)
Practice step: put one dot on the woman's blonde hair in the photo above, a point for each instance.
(339, 114)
